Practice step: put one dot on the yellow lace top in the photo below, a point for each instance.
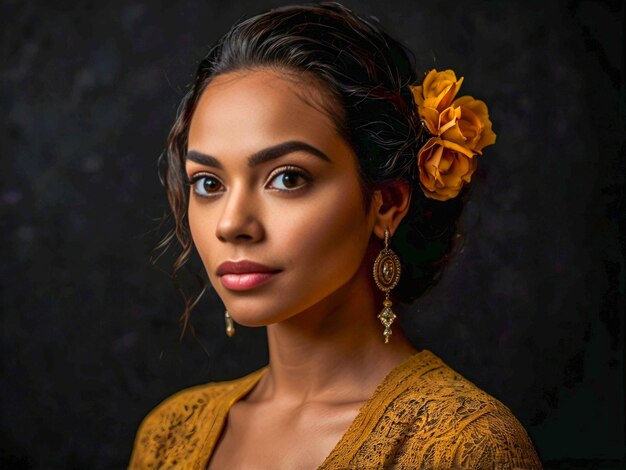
(423, 415)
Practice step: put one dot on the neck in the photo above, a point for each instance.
(333, 350)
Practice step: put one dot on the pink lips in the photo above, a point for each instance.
(244, 275)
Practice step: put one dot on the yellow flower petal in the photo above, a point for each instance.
(448, 119)
(443, 169)
(474, 124)
(431, 118)
(440, 88)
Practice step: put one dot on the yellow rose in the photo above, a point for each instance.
(438, 90)
(444, 167)
(466, 123)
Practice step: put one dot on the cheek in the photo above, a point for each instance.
(327, 236)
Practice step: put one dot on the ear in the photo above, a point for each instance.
(391, 203)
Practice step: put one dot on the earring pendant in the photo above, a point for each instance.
(387, 276)
(386, 317)
(230, 324)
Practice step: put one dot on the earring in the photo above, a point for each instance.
(387, 275)
(230, 324)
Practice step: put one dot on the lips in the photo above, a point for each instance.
(245, 274)
(243, 267)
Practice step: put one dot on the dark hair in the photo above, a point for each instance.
(367, 73)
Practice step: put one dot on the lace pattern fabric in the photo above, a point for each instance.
(423, 415)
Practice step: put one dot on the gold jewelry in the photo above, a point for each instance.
(387, 275)
(230, 324)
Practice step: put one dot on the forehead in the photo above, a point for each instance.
(256, 107)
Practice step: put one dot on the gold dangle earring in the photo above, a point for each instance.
(230, 324)
(387, 275)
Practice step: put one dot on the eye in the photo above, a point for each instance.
(289, 179)
(205, 185)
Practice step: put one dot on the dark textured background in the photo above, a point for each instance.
(531, 309)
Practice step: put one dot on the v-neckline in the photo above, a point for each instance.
(364, 416)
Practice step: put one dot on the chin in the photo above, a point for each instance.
(253, 321)
(253, 312)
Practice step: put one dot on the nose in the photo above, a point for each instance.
(239, 221)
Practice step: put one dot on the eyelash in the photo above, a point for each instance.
(199, 177)
(279, 171)
(295, 170)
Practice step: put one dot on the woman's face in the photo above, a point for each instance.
(273, 183)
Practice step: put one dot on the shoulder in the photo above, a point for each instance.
(178, 423)
(192, 401)
(453, 423)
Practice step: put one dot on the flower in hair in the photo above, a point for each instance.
(459, 128)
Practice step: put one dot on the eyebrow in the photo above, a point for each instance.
(262, 156)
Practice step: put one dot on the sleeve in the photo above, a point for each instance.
(140, 454)
(493, 439)
(168, 435)
(496, 440)
(156, 439)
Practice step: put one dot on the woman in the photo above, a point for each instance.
(299, 170)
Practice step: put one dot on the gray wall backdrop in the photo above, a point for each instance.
(531, 309)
